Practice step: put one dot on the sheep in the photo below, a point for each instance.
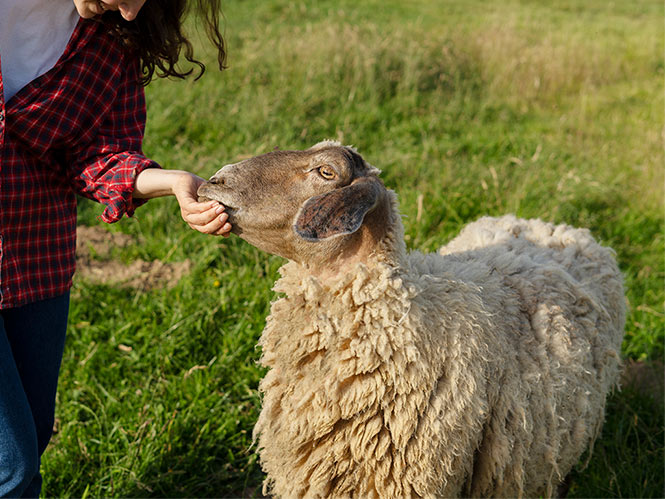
(480, 370)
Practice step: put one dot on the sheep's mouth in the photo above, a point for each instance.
(206, 193)
(229, 209)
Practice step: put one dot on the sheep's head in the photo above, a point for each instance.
(312, 206)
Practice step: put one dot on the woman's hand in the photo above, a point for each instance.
(208, 217)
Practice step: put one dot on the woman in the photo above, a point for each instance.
(72, 115)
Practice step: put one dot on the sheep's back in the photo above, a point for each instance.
(541, 258)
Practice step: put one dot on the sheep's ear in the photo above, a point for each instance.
(337, 212)
(325, 143)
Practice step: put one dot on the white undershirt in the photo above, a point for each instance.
(33, 36)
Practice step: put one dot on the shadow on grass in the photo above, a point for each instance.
(204, 470)
(629, 458)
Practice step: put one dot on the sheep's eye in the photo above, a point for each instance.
(327, 172)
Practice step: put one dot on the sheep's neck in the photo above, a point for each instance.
(360, 249)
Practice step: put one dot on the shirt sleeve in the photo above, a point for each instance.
(105, 169)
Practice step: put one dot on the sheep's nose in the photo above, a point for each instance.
(221, 176)
(217, 180)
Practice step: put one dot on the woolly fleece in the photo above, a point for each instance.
(479, 371)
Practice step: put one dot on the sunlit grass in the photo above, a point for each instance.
(469, 108)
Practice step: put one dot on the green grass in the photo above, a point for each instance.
(542, 109)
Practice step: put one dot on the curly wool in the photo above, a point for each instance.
(482, 370)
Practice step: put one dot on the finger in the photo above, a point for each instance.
(206, 217)
(224, 231)
(195, 207)
(217, 226)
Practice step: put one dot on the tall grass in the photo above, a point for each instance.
(469, 108)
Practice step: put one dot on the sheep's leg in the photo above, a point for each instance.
(563, 488)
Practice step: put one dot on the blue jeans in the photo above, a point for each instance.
(32, 338)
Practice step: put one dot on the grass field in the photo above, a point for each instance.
(542, 109)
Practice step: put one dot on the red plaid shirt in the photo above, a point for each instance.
(75, 130)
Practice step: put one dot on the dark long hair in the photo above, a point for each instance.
(157, 37)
